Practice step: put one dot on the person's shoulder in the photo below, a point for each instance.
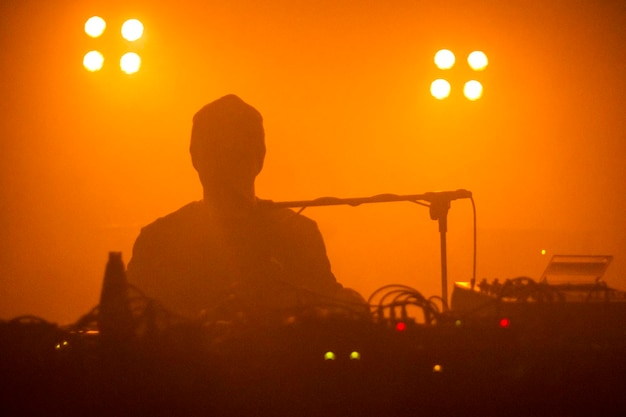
(185, 215)
(285, 216)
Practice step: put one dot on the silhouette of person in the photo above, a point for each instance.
(232, 248)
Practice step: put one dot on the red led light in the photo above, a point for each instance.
(400, 326)
(504, 322)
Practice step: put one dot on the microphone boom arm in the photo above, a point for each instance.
(438, 207)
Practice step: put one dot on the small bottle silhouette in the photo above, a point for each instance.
(115, 320)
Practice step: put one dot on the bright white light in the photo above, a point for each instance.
(94, 26)
(477, 60)
(93, 61)
(132, 30)
(440, 89)
(444, 59)
(473, 90)
(130, 63)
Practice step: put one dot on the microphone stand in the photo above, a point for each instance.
(439, 207)
(439, 211)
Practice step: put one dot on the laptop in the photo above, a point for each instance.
(576, 269)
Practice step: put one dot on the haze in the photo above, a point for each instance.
(89, 158)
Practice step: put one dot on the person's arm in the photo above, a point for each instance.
(309, 263)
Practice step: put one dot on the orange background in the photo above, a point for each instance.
(88, 158)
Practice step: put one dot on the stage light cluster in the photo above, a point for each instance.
(445, 60)
(132, 31)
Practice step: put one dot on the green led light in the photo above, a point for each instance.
(329, 356)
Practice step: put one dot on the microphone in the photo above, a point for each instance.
(447, 195)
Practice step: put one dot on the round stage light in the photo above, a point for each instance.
(130, 63)
(444, 59)
(93, 61)
(440, 89)
(95, 26)
(473, 90)
(477, 60)
(132, 30)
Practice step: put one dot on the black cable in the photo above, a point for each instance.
(403, 296)
(475, 243)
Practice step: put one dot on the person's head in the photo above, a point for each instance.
(227, 144)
